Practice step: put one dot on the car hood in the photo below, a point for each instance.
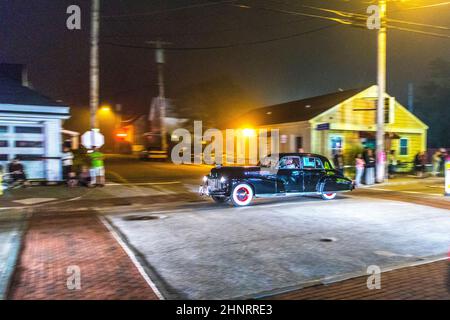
(233, 171)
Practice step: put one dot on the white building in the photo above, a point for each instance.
(30, 126)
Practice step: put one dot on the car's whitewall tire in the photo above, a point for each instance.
(328, 196)
(242, 195)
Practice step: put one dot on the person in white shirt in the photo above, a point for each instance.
(67, 163)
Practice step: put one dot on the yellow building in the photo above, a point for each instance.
(344, 121)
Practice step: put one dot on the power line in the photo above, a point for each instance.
(151, 13)
(144, 35)
(364, 17)
(426, 6)
(352, 23)
(228, 46)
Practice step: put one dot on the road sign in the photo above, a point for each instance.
(447, 176)
(323, 126)
(92, 138)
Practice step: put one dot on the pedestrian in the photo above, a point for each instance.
(17, 172)
(444, 155)
(97, 167)
(436, 161)
(84, 178)
(1, 180)
(419, 164)
(369, 167)
(392, 166)
(67, 163)
(338, 160)
(360, 163)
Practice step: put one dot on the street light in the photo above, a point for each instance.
(248, 132)
(105, 109)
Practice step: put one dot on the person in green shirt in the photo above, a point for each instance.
(97, 167)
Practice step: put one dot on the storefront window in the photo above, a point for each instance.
(403, 147)
(36, 130)
(29, 144)
(336, 145)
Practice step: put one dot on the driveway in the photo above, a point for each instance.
(220, 252)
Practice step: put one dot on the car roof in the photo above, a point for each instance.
(294, 154)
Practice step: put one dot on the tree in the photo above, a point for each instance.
(433, 103)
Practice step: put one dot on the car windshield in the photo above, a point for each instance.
(268, 162)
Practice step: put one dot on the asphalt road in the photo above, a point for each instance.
(218, 252)
(128, 169)
(210, 251)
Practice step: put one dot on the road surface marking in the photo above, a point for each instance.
(411, 192)
(133, 258)
(31, 201)
(113, 184)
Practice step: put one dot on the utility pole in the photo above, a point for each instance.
(382, 38)
(162, 103)
(94, 62)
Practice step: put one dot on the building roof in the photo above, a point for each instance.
(300, 110)
(12, 92)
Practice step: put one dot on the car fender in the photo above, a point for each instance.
(334, 184)
(237, 181)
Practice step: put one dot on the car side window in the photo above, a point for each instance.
(289, 163)
(312, 163)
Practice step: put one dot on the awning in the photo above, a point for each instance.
(372, 135)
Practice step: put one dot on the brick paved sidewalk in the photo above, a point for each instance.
(424, 282)
(53, 243)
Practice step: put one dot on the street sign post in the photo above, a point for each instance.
(92, 139)
(447, 175)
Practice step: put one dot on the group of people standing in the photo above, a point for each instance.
(88, 176)
(365, 164)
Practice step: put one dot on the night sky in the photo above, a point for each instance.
(34, 32)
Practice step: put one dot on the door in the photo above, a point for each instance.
(313, 170)
(289, 175)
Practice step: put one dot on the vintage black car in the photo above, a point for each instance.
(291, 174)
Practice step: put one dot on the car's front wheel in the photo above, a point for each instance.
(242, 195)
(328, 196)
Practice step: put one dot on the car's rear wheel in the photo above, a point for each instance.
(328, 196)
(242, 195)
(219, 199)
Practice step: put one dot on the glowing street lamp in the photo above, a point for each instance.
(248, 132)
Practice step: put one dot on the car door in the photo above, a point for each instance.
(313, 170)
(289, 177)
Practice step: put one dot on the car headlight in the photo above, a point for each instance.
(205, 179)
(223, 180)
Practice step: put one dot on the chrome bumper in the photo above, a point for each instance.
(204, 191)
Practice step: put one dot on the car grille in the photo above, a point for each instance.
(214, 184)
